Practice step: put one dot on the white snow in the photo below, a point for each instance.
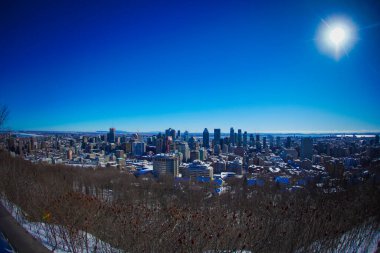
(56, 237)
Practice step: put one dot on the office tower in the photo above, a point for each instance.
(183, 147)
(202, 154)
(251, 140)
(138, 148)
(179, 134)
(166, 164)
(288, 142)
(112, 135)
(224, 148)
(206, 138)
(239, 138)
(306, 148)
(192, 142)
(167, 132)
(271, 141)
(159, 145)
(245, 139)
(173, 134)
(168, 142)
(232, 136)
(216, 136)
(217, 149)
(186, 136)
(258, 143)
(264, 142)
(194, 155)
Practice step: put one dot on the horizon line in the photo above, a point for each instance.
(200, 132)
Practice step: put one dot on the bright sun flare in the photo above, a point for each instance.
(336, 36)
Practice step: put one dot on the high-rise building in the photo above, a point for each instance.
(216, 136)
(258, 143)
(192, 143)
(264, 142)
(217, 149)
(232, 136)
(183, 147)
(251, 140)
(138, 148)
(194, 155)
(271, 141)
(239, 139)
(168, 131)
(202, 154)
(206, 138)
(160, 145)
(288, 142)
(245, 139)
(307, 148)
(166, 164)
(112, 135)
(186, 136)
(178, 134)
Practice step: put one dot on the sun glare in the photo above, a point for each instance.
(336, 37)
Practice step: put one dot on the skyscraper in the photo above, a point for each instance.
(245, 139)
(239, 139)
(306, 148)
(216, 136)
(258, 143)
(206, 138)
(112, 135)
(251, 140)
(183, 147)
(173, 134)
(138, 148)
(186, 136)
(232, 136)
(288, 142)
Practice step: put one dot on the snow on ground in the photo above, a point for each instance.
(56, 237)
(360, 240)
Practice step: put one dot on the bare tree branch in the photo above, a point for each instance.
(4, 113)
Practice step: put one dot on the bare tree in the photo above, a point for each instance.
(4, 112)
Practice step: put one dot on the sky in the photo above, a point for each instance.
(150, 65)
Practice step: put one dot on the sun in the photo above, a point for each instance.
(336, 36)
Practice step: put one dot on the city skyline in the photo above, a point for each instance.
(147, 66)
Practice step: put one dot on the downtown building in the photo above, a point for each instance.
(166, 164)
(197, 169)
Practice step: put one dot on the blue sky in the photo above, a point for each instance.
(150, 65)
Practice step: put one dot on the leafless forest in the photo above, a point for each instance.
(150, 215)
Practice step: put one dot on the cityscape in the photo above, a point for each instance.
(289, 160)
(206, 126)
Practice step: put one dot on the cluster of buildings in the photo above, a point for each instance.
(289, 160)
